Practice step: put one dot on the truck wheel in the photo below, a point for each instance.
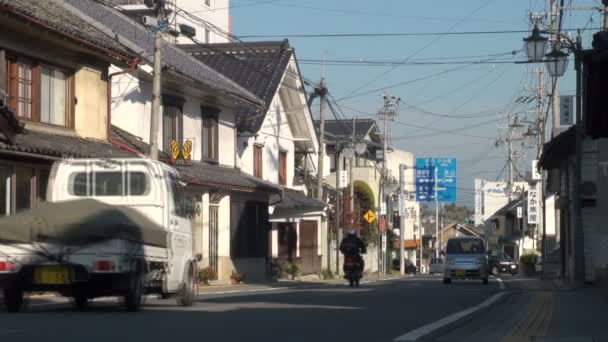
(135, 293)
(186, 296)
(81, 301)
(13, 299)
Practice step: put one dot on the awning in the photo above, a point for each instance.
(294, 199)
(224, 177)
(557, 150)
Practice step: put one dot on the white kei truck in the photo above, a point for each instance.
(111, 227)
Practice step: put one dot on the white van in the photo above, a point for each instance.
(112, 227)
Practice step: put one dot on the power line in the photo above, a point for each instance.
(383, 14)
(419, 50)
(392, 34)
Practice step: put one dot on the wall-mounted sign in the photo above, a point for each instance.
(533, 203)
(182, 153)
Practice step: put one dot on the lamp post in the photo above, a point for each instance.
(535, 45)
(556, 63)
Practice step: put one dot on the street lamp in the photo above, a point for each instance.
(556, 62)
(535, 45)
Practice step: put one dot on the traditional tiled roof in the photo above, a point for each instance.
(62, 146)
(9, 123)
(557, 150)
(136, 37)
(256, 66)
(293, 199)
(223, 177)
(54, 15)
(200, 173)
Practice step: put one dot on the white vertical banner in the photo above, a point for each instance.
(383, 208)
(343, 179)
(520, 212)
(401, 205)
(535, 174)
(478, 201)
(533, 203)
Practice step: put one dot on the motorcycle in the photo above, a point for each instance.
(352, 270)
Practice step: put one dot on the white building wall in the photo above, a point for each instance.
(493, 197)
(275, 136)
(216, 14)
(132, 106)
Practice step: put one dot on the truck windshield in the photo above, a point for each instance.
(465, 246)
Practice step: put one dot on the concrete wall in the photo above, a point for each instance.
(595, 152)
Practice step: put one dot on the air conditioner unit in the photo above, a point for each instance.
(150, 21)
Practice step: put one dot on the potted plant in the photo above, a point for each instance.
(528, 262)
(205, 275)
(236, 278)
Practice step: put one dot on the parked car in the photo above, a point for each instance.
(436, 266)
(502, 263)
(465, 258)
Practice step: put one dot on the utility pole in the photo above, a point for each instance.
(321, 91)
(401, 219)
(435, 185)
(388, 112)
(556, 46)
(420, 231)
(350, 175)
(156, 82)
(338, 209)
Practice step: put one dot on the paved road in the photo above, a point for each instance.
(378, 311)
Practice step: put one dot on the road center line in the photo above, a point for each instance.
(416, 334)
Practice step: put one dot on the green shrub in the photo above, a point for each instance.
(326, 274)
(292, 269)
(528, 259)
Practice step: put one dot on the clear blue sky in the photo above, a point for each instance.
(484, 91)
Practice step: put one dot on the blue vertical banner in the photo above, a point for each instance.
(446, 179)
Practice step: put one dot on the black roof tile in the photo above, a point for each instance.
(256, 66)
(294, 199)
(52, 14)
(136, 37)
(63, 146)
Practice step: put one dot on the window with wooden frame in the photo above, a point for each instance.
(173, 122)
(258, 154)
(209, 134)
(283, 167)
(40, 92)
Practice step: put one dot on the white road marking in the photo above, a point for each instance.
(501, 283)
(417, 334)
(250, 290)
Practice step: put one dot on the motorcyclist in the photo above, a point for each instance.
(352, 245)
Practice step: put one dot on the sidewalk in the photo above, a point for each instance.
(558, 312)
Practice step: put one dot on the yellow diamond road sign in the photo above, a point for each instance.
(370, 216)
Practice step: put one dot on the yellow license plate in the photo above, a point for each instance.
(460, 273)
(52, 275)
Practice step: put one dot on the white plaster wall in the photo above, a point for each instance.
(275, 135)
(131, 108)
(224, 227)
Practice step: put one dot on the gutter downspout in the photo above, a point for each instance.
(132, 66)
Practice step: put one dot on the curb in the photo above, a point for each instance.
(430, 331)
